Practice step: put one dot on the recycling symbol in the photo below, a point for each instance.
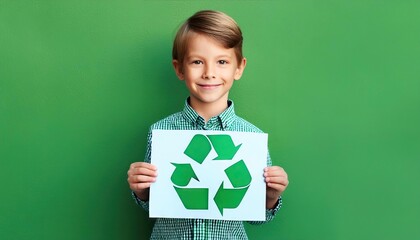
(238, 174)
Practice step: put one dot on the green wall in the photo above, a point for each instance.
(336, 84)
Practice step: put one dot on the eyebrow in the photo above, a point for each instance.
(189, 56)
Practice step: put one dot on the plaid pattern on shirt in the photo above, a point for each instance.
(173, 228)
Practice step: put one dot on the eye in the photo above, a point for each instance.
(197, 62)
(223, 62)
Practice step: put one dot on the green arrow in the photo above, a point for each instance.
(198, 148)
(229, 198)
(224, 146)
(238, 174)
(193, 198)
(182, 174)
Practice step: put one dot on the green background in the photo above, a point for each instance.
(334, 83)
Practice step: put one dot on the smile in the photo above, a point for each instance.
(209, 86)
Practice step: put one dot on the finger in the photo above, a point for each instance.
(277, 180)
(272, 168)
(142, 171)
(274, 171)
(275, 174)
(140, 179)
(142, 165)
(276, 187)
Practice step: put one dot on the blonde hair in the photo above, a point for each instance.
(214, 24)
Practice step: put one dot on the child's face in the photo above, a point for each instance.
(208, 70)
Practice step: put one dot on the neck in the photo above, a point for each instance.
(208, 110)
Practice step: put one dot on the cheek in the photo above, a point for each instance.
(231, 74)
(192, 73)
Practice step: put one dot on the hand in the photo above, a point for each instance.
(140, 176)
(277, 181)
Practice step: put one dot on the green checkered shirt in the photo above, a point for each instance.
(173, 228)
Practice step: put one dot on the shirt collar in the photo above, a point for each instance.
(226, 118)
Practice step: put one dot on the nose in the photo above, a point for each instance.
(209, 72)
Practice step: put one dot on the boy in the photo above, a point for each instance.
(207, 55)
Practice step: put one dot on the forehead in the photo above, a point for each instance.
(203, 44)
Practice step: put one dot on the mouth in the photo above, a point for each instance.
(209, 86)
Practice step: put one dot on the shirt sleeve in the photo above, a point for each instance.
(143, 204)
(148, 155)
(270, 213)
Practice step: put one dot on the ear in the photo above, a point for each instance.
(240, 69)
(178, 69)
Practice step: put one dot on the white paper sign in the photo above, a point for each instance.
(208, 175)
